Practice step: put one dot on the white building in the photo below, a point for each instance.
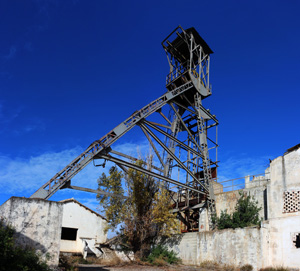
(82, 229)
(53, 227)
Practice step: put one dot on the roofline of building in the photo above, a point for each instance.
(76, 201)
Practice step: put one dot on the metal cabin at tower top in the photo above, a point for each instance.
(189, 59)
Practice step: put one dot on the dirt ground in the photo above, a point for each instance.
(137, 268)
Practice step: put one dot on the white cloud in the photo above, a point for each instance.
(26, 175)
(23, 176)
(235, 167)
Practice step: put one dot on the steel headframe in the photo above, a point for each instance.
(178, 133)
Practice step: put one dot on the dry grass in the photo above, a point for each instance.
(210, 265)
(213, 266)
(278, 268)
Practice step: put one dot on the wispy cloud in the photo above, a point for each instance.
(26, 175)
(240, 166)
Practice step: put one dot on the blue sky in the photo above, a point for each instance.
(70, 71)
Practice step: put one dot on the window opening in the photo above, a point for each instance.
(68, 234)
(291, 201)
(297, 241)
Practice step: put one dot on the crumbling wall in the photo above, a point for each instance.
(284, 187)
(276, 243)
(38, 224)
(232, 247)
(90, 226)
(228, 200)
(283, 241)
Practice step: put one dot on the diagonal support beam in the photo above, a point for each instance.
(184, 146)
(101, 145)
(162, 114)
(172, 155)
(132, 158)
(186, 108)
(153, 146)
(186, 128)
(153, 174)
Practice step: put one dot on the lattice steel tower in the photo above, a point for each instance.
(183, 135)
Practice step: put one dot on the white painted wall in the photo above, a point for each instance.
(37, 222)
(281, 251)
(285, 176)
(90, 227)
(272, 244)
(232, 247)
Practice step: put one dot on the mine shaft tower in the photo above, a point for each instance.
(182, 134)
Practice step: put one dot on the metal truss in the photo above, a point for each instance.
(177, 127)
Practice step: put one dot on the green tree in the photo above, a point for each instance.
(246, 214)
(144, 214)
(15, 258)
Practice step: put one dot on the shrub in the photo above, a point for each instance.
(160, 255)
(246, 267)
(15, 258)
(246, 214)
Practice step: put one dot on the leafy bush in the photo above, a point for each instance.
(246, 214)
(160, 255)
(15, 258)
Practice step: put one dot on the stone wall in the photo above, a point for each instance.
(37, 222)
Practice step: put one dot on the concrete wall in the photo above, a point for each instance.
(233, 247)
(227, 200)
(280, 243)
(285, 176)
(37, 222)
(271, 245)
(276, 243)
(89, 224)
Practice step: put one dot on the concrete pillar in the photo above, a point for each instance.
(203, 219)
(247, 181)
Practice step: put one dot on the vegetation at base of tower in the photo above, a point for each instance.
(141, 217)
(160, 255)
(246, 214)
(15, 258)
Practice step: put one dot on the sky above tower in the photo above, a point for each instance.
(70, 71)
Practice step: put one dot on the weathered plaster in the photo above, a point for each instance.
(37, 223)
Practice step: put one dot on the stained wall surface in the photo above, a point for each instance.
(37, 223)
(89, 225)
(276, 243)
(232, 247)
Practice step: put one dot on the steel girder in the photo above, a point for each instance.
(177, 134)
(102, 145)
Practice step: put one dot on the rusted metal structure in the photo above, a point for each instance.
(181, 132)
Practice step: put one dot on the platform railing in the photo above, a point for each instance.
(241, 183)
